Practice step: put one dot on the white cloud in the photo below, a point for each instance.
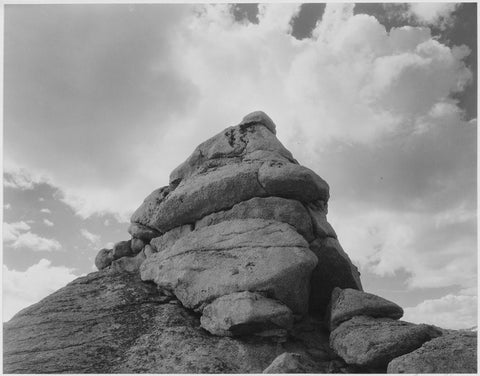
(35, 242)
(18, 178)
(92, 238)
(11, 231)
(48, 223)
(15, 236)
(7, 206)
(351, 82)
(438, 14)
(450, 312)
(45, 210)
(21, 289)
(41, 199)
(384, 242)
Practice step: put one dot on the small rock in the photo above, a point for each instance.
(259, 117)
(137, 245)
(291, 363)
(122, 249)
(370, 342)
(348, 303)
(128, 264)
(143, 232)
(245, 313)
(104, 258)
(451, 353)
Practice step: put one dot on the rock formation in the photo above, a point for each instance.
(231, 268)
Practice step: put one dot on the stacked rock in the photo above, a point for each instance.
(365, 330)
(240, 234)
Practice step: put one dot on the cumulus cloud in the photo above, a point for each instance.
(23, 288)
(20, 178)
(450, 311)
(15, 236)
(35, 242)
(438, 14)
(45, 210)
(352, 81)
(92, 238)
(11, 231)
(7, 206)
(48, 223)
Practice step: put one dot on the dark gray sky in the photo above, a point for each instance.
(103, 101)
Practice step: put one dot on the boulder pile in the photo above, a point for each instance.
(240, 235)
(230, 268)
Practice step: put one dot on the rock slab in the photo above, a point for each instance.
(370, 342)
(234, 256)
(245, 313)
(455, 352)
(348, 303)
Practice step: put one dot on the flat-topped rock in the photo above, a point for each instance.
(374, 342)
(348, 303)
(245, 313)
(455, 352)
(233, 256)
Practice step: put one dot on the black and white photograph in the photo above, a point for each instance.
(218, 188)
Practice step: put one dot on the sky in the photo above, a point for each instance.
(102, 102)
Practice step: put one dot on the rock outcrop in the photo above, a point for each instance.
(240, 214)
(231, 268)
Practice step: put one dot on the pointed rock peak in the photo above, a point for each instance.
(259, 117)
